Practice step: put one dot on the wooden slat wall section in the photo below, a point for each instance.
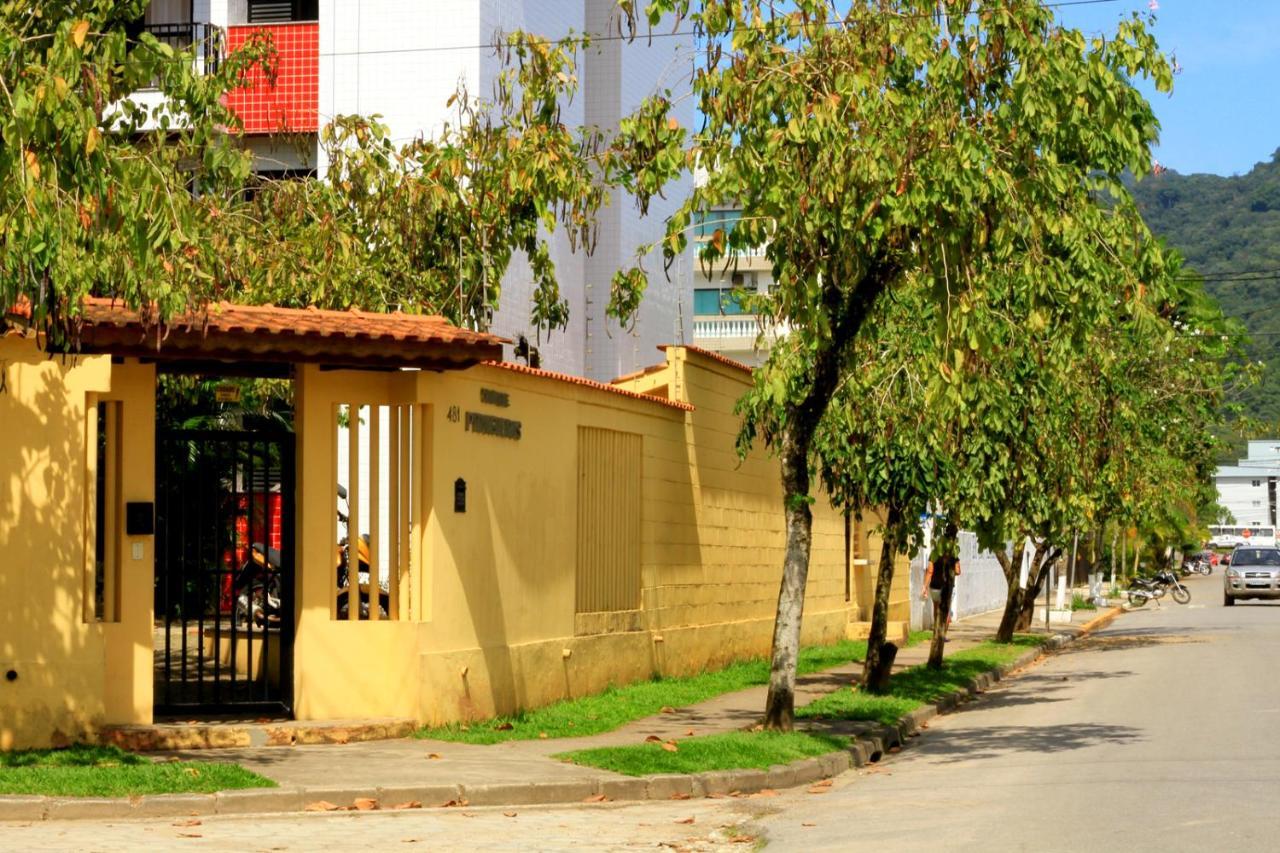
(609, 515)
(90, 508)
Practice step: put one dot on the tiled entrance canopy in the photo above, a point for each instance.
(265, 333)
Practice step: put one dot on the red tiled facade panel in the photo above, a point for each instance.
(292, 104)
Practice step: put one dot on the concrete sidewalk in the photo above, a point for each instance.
(433, 773)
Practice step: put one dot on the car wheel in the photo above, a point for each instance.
(1227, 600)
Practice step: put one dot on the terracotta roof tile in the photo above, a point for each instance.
(590, 383)
(714, 356)
(227, 330)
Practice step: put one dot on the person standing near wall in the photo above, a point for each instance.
(939, 584)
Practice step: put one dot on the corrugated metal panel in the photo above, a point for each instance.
(608, 520)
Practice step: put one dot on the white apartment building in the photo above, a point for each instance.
(721, 323)
(1247, 489)
(401, 60)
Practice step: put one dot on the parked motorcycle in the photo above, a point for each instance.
(257, 584)
(257, 589)
(1142, 590)
(363, 575)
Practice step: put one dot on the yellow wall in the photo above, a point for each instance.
(72, 676)
(501, 632)
(490, 623)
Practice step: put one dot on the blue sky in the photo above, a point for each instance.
(1224, 114)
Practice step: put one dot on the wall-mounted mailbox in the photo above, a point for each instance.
(459, 495)
(139, 518)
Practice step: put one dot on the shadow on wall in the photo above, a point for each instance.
(52, 664)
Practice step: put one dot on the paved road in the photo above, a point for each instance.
(1161, 733)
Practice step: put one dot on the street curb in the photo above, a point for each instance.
(868, 748)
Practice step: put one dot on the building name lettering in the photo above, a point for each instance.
(493, 425)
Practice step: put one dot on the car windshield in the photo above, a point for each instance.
(1256, 557)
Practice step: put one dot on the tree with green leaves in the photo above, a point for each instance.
(95, 195)
(866, 142)
(158, 207)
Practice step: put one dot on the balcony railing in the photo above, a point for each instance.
(209, 41)
(729, 326)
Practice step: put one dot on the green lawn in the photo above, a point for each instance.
(730, 751)
(107, 771)
(617, 706)
(918, 685)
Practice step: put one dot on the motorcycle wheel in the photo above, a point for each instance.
(384, 605)
(1136, 599)
(1182, 595)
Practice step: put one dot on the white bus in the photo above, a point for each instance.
(1229, 536)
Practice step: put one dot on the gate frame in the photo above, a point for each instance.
(283, 706)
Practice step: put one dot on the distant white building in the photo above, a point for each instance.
(1247, 489)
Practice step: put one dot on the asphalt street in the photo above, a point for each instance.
(1160, 733)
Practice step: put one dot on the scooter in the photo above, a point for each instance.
(257, 587)
(363, 575)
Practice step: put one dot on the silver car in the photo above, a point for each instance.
(1253, 573)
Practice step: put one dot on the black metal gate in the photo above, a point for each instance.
(224, 572)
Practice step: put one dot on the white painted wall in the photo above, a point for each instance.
(403, 59)
(1248, 503)
(981, 586)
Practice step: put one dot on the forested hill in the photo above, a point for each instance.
(1229, 231)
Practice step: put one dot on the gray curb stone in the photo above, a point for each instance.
(428, 795)
(262, 800)
(866, 749)
(23, 808)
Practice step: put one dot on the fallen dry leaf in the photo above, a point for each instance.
(808, 824)
(653, 739)
(689, 733)
(453, 804)
(434, 756)
(816, 790)
(670, 746)
(667, 709)
(894, 750)
(542, 735)
(822, 783)
(190, 771)
(685, 820)
(765, 792)
(365, 804)
(509, 814)
(191, 821)
(190, 835)
(322, 806)
(741, 839)
(596, 798)
(679, 795)
(411, 804)
(503, 727)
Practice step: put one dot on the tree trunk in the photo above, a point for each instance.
(1032, 597)
(1013, 601)
(779, 709)
(875, 669)
(847, 304)
(941, 617)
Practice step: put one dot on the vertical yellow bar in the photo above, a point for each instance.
(418, 518)
(353, 511)
(395, 538)
(375, 504)
(90, 507)
(112, 541)
(336, 535)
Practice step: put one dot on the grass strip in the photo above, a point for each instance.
(616, 706)
(108, 771)
(729, 751)
(917, 686)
